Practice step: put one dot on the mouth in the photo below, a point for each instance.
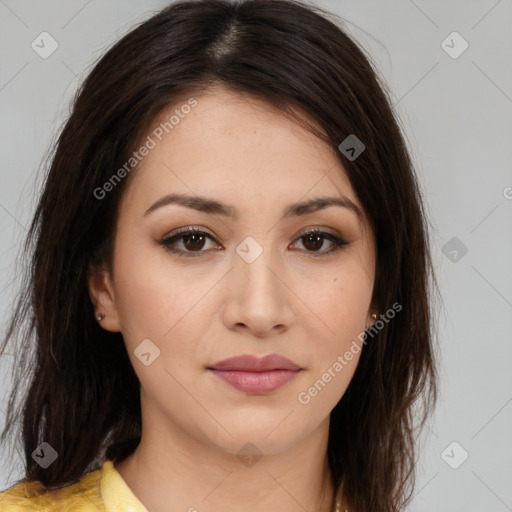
(255, 375)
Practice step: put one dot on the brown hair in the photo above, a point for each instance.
(83, 394)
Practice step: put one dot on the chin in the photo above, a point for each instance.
(269, 436)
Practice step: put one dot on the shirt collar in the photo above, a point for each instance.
(116, 495)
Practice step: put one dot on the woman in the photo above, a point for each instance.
(230, 282)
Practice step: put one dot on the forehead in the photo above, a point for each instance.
(234, 146)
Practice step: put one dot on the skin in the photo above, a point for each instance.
(200, 310)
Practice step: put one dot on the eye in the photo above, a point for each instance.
(194, 240)
(314, 239)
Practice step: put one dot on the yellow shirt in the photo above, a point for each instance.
(103, 490)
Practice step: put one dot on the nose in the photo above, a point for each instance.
(259, 296)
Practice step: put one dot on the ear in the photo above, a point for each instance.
(99, 283)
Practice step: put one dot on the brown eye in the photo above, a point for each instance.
(313, 241)
(193, 241)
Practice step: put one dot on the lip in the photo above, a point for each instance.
(250, 363)
(256, 375)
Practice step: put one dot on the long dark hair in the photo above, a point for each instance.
(82, 395)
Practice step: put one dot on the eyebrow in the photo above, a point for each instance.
(213, 207)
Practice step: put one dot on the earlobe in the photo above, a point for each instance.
(373, 313)
(102, 296)
(372, 318)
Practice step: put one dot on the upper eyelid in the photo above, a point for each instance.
(194, 229)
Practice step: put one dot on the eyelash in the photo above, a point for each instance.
(168, 241)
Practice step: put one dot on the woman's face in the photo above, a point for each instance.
(251, 283)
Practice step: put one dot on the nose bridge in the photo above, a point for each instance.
(256, 264)
(260, 299)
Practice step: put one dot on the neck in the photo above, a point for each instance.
(195, 476)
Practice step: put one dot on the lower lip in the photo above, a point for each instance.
(256, 382)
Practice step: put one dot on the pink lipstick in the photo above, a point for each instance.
(256, 375)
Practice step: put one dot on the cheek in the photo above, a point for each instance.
(146, 290)
(157, 300)
(340, 306)
(339, 303)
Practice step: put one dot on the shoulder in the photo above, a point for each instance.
(33, 496)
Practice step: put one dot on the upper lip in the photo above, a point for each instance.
(256, 364)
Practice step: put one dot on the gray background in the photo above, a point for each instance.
(456, 114)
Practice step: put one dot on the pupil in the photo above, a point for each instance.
(318, 239)
(193, 237)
